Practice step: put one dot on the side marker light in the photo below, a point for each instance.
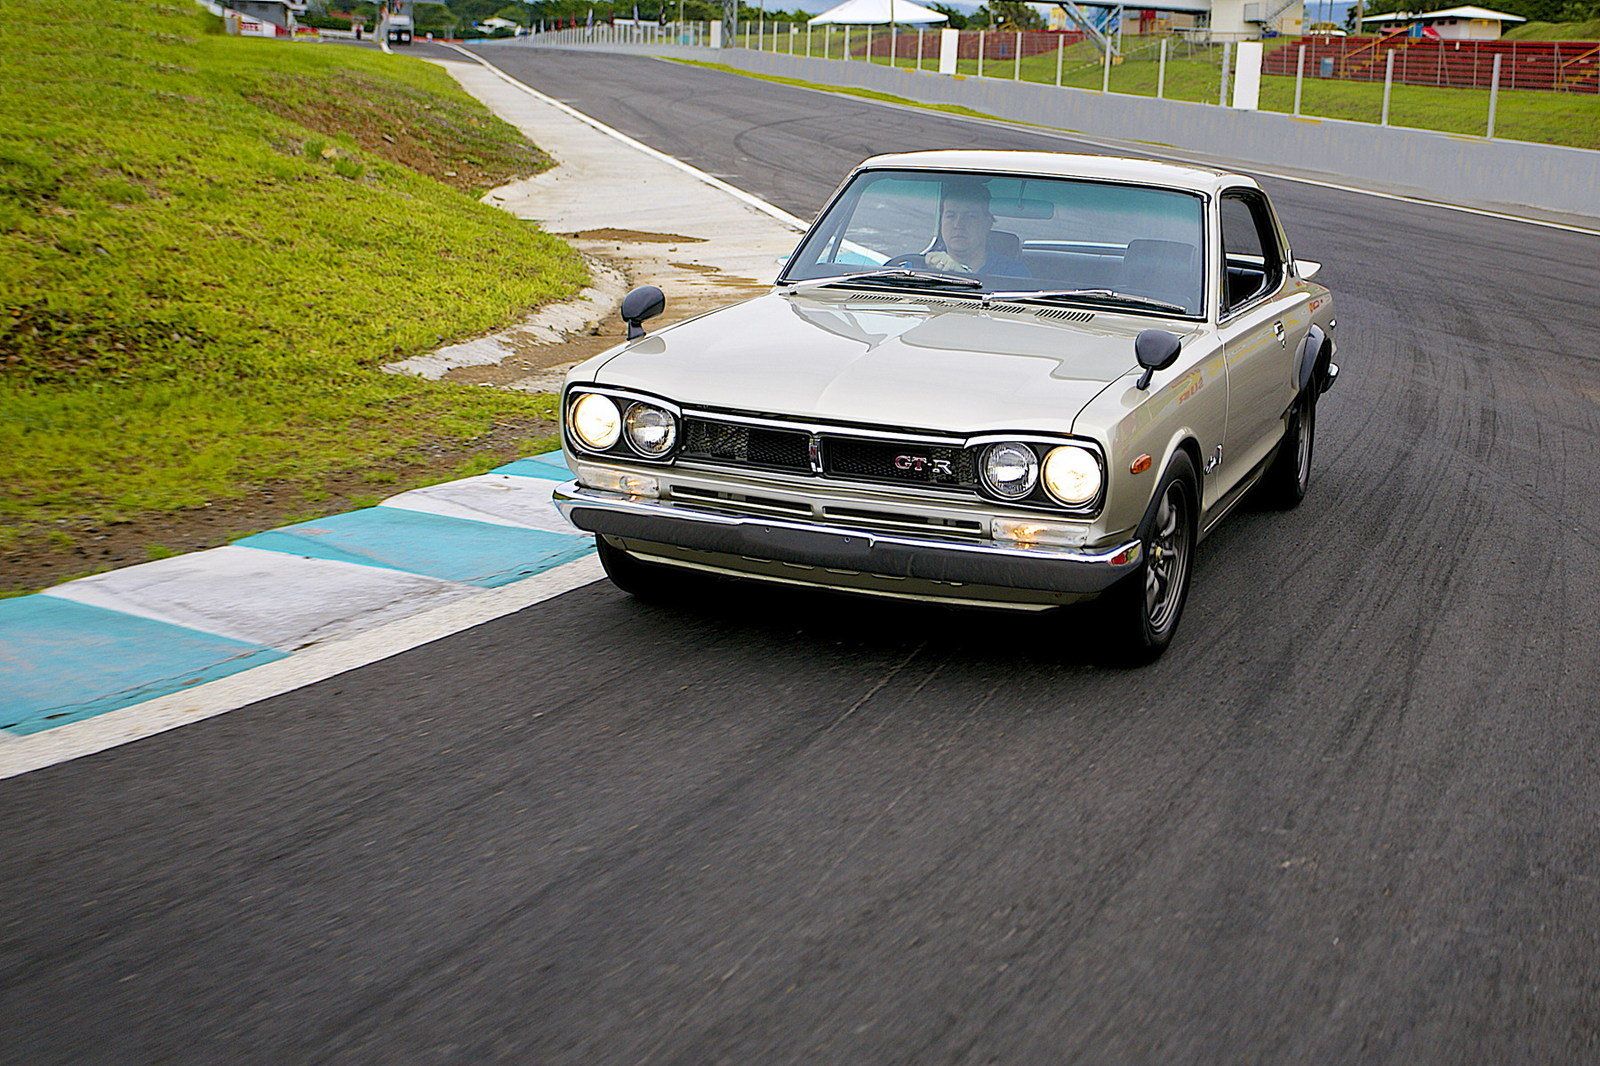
(1130, 554)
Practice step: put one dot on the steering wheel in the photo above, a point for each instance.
(909, 261)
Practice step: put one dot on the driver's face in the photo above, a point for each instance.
(964, 224)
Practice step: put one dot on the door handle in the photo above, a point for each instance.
(1277, 331)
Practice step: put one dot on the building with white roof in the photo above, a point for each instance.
(878, 13)
(1227, 20)
(1452, 24)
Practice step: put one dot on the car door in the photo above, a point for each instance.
(1261, 322)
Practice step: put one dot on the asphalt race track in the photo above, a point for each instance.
(1350, 816)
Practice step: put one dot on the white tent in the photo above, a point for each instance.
(877, 13)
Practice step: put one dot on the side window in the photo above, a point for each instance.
(1252, 259)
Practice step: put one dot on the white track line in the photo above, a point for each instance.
(749, 199)
(19, 755)
(1125, 147)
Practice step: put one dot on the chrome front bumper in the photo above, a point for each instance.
(839, 548)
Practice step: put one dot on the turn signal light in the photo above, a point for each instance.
(1026, 533)
(1139, 465)
(607, 480)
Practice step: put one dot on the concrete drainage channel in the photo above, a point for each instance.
(108, 659)
(637, 217)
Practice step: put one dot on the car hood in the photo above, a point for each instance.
(883, 359)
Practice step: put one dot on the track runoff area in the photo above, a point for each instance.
(1345, 816)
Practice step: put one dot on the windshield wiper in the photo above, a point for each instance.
(1106, 296)
(896, 276)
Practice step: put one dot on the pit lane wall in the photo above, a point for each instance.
(1437, 166)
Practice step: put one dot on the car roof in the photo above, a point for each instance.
(1186, 176)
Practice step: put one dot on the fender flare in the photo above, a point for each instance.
(1180, 436)
(1313, 351)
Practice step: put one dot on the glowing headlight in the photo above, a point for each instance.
(651, 431)
(1071, 474)
(595, 421)
(1010, 470)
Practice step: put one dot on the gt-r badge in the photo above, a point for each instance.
(919, 464)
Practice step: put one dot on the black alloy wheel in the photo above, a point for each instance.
(1144, 608)
(1167, 568)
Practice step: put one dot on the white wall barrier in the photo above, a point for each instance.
(1247, 76)
(949, 44)
(1439, 166)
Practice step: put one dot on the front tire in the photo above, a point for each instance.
(1142, 611)
(639, 579)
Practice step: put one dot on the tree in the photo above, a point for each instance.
(957, 17)
(1006, 15)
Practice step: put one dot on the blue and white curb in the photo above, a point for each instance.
(120, 639)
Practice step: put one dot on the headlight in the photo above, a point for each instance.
(595, 421)
(1071, 475)
(1010, 470)
(651, 431)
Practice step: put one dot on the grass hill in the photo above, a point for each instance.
(1556, 31)
(208, 245)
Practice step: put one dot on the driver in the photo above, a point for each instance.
(965, 226)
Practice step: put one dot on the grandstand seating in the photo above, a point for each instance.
(1566, 66)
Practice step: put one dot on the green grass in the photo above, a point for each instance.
(1194, 74)
(208, 246)
(1556, 31)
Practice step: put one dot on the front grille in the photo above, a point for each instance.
(969, 529)
(915, 464)
(931, 465)
(727, 442)
(740, 502)
(749, 505)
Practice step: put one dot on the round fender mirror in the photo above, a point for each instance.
(646, 301)
(1156, 349)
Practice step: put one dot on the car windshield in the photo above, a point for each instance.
(1062, 239)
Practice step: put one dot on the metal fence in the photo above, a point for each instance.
(1024, 55)
(691, 34)
(1316, 77)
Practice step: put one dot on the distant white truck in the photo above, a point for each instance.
(398, 29)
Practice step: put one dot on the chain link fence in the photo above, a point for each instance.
(1540, 91)
(1547, 90)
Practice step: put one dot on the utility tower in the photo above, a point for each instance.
(1085, 22)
